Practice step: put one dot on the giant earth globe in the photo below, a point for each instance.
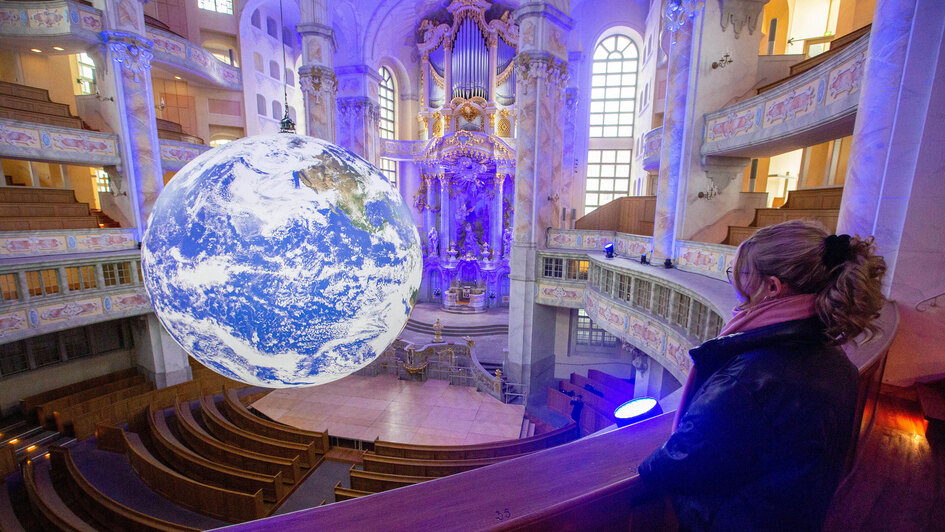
(281, 260)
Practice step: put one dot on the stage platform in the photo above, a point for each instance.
(490, 329)
(367, 408)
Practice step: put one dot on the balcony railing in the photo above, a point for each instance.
(28, 140)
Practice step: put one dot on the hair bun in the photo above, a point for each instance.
(836, 250)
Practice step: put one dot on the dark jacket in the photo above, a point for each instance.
(761, 445)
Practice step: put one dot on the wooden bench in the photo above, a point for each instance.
(228, 505)
(108, 513)
(44, 411)
(481, 450)
(211, 448)
(598, 402)
(620, 385)
(374, 482)
(227, 432)
(413, 467)
(199, 468)
(28, 405)
(240, 416)
(609, 394)
(343, 494)
(65, 415)
(50, 508)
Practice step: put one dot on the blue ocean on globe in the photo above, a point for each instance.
(282, 260)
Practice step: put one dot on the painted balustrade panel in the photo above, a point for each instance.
(624, 244)
(51, 19)
(29, 140)
(560, 293)
(652, 144)
(403, 150)
(663, 343)
(41, 243)
(175, 50)
(704, 258)
(175, 154)
(823, 95)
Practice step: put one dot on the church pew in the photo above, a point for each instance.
(413, 467)
(108, 513)
(559, 402)
(610, 394)
(28, 405)
(372, 481)
(243, 418)
(44, 411)
(620, 385)
(49, 507)
(343, 494)
(228, 505)
(481, 450)
(211, 448)
(230, 433)
(589, 399)
(199, 468)
(65, 416)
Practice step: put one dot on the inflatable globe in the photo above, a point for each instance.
(281, 261)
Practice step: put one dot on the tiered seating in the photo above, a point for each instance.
(32, 104)
(818, 204)
(634, 215)
(168, 130)
(393, 465)
(37, 209)
(48, 506)
(30, 405)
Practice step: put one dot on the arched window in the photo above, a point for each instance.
(274, 70)
(292, 114)
(613, 102)
(386, 97)
(272, 28)
(261, 104)
(257, 62)
(255, 19)
(276, 110)
(289, 77)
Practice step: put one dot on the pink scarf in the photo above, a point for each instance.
(782, 309)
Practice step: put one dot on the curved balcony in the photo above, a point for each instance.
(815, 106)
(652, 144)
(30, 140)
(35, 22)
(175, 154)
(114, 294)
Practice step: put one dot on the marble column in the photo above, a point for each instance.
(876, 116)
(130, 55)
(445, 234)
(358, 111)
(425, 205)
(541, 75)
(495, 229)
(674, 117)
(159, 357)
(316, 75)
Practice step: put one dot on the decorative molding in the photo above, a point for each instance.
(131, 52)
(680, 12)
(741, 13)
(541, 66)
(358, 108)
(318, 81)
(29, 140)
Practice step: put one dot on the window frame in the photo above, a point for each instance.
(387, 100)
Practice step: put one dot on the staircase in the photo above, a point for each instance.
(32, 104)
(820, 204)
(168, 130)
(104, 220)
(37, 209)
(528, 428)
(29, 439)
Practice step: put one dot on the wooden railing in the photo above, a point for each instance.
(482, 450)
(51, 510)
(634, 215)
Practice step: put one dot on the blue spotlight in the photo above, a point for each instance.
(637, 410)
(609, 250)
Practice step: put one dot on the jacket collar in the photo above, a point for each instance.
(713, 354)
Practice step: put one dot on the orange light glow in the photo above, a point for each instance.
(31, 448)
(13, 441)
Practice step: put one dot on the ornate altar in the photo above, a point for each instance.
(468, 115)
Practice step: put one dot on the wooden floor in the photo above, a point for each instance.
(899, 482)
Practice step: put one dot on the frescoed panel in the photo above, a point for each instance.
(32, 245)
(13, 321)
(702, 259)
(27, 244)
(49, 18)
(792, 105)
(733, 125)
(128, 302)
(79, 143)
(19, 137)
(845, 80)
(68, 311)
(631, 246)
(560, 295)
(13, 18)
(562, 239)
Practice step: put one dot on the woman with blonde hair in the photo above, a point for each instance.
(767, 413)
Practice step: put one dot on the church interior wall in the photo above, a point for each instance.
(854, 14)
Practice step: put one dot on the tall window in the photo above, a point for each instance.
(102, 183)
(389, 167)
(220, 6)
(386, 96)
(590, 334)
(86, 79)
(613, 101)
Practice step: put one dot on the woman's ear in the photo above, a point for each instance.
(774, 288)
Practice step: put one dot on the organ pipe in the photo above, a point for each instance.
(470, 62)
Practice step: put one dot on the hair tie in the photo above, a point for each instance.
(836, 250)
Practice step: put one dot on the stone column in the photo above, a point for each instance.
(358, 111)
(674, 118)
(159, 356)
(428, 217)
(541, 70)
(445, 215)
(495, 230)
(130, 56)
(316, 75)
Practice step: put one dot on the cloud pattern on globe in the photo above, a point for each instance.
(282, 260)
